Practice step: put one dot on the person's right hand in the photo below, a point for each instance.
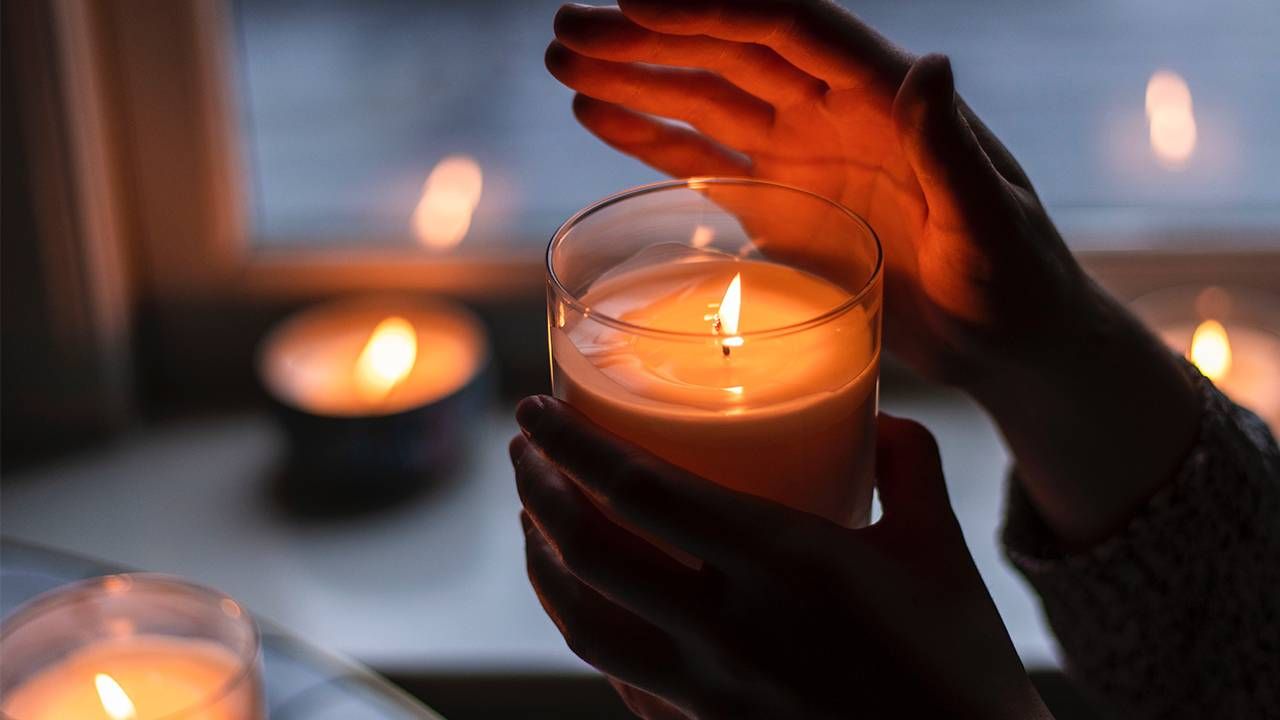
(805, 94)
(980, 291)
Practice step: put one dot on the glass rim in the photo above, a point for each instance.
(691, 183)
(72, 592)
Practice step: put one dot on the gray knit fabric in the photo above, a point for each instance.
(1178, 615)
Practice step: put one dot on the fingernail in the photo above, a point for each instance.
(530, 413)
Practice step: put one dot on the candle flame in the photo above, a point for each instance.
(115, 702)
(731, 306)
(387, 358)
(1170, 118)
(449, 197)
(1210, 349)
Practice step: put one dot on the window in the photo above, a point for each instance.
(346, 108)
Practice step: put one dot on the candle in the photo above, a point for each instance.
(134, 678)
(372, 357)
(752, 373)
(1243, 361)
(375, 396)
(1230, 334)
(131, 647)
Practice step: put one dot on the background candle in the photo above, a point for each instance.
(131, 647)
(1231, 334)
(788, 412)
(375, 395)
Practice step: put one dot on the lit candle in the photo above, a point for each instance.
(375, 395)
(1231, 334)
(131, 647)
(680, 335)
(790, 418)
(1243, 361)
(372, 357)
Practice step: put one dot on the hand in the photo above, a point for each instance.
(805, 94)
(980, 291)
(789, 615)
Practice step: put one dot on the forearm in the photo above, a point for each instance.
(1097, 422)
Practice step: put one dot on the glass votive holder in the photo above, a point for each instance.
(131, 647)
(1232, 334)
(731, 327)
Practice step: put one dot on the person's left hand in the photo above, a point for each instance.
(789, 615)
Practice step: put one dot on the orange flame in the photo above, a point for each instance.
(115, 702)
(387, 358)
(1211, 350)
(1170, 118)
(729, 311)
(449, 197)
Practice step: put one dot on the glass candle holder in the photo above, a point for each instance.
(131, 647)
(731, 327)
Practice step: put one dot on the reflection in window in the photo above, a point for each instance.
(360, 118)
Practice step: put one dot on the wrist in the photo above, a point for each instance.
(1097, 421)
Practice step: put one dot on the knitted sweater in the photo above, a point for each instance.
(1178, 615)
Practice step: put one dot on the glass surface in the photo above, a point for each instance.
(348, 107)
(302, 682)
(731, 327)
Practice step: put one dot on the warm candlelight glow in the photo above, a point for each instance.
(387, 358)
(1171, 121)
(449, 197)
(114, 700)
(702, 236)
(1210, 350)
(728, 313)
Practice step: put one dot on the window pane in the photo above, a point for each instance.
(348, 107)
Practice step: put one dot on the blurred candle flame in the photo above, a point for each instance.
(115, 702)
(387, 358)
(449, 197)
(1211, 350)
(702, 236)
(1170, 118)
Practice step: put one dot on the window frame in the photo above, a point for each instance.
(160, 74)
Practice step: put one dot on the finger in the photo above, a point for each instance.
(607, 34)
(661, 500)
(909, 471)
(956, 175)
(615, 562)
(604, 635)
(818, 37)
(706, 101)
(676, 151)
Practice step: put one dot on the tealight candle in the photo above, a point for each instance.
(676, 322)
(1232, 335)
(131, 647)
(374, 393)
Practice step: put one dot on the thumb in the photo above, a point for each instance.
(956, 175)
(909, 471)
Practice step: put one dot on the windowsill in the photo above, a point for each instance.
(434, 586)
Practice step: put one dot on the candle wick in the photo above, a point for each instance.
(725, 349)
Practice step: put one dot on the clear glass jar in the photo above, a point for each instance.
(730, 326)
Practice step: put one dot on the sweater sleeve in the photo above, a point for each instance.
(1177, 615)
